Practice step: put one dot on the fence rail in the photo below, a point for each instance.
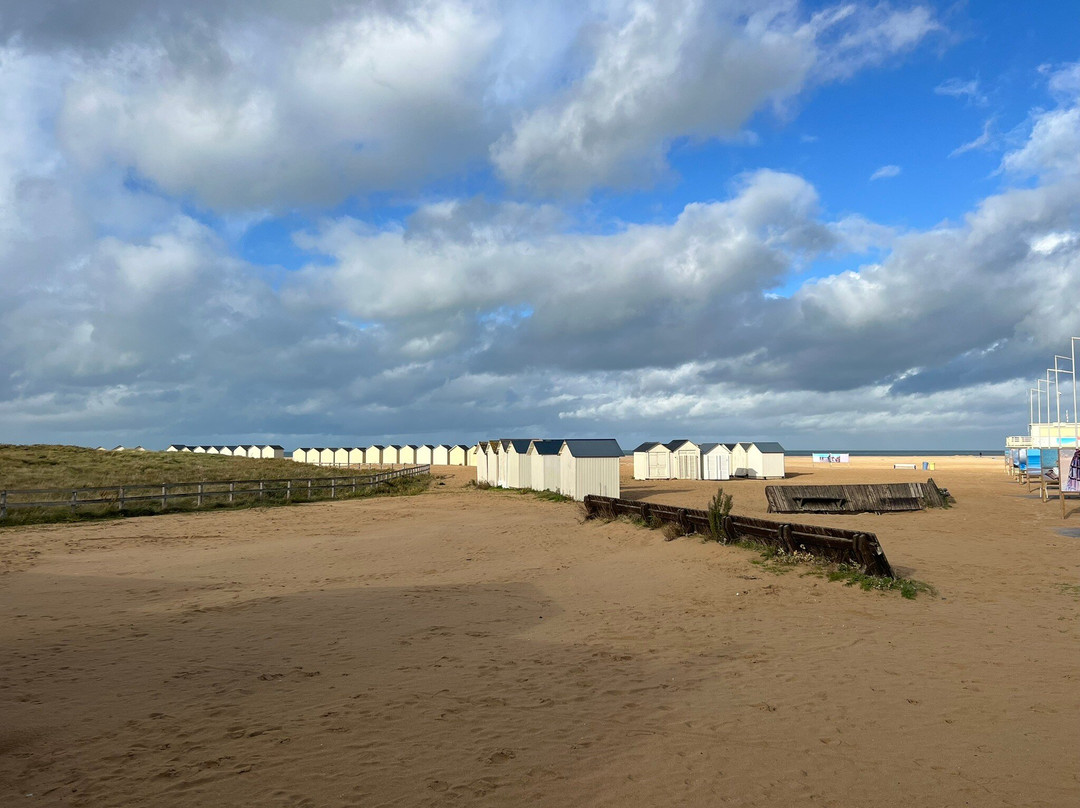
(290, 489)
(859, 549)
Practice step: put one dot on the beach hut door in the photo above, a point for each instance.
(686, 466)
(657, 466)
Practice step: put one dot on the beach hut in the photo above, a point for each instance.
(440, 455)
(322, 456)
(425, 455)
(407, 455)
(199, 450)
(740, 462)
(544, 465)
(685, 460)
(518, 465)
(589, 467)
(300, 455)
(391, 455)
(715, 461)
(138, 449)
(765, 460)
(341, 456)
(373, 455)
(356, 456)
(652, 461)
(482, 457)
(183, 449)
(213, 450)
(459, 455)
(176, 447)
(470, 456)
(267, 451)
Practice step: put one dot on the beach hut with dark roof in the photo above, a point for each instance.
(407, 454)
(715, 461)
(518, 465)
(391, 455)
(740, 460)
(483, 459)
(341, 456)
(425, 455)
(176, 447)
(685, 460)
(459, 454)
(765, 460)
(589, 467)
(652, 461)
(544, 465)
(440, 455)
(300, 455)
(373, 455)
(356, 456)
(267, 451)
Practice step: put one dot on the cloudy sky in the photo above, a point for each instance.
(323, 222)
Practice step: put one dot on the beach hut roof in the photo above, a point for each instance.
(463, 446)
(520, 446)
(547, 447)
(746, 445)
(595, 447)
(675, 444)
(769, 447)
(707, 447)
(272, 446)
(376, 446)
(646, 446)
(731, 446)
(429, 446)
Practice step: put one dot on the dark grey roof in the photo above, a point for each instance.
(746, 445)
(376, 446)
(595, 447)
(547, 447)
(731, 446)
(707, 447)
(675, 444)
(428, 446)
(520, 446)
(410, 446)
(275, 446)
(647, 445)
(769, 447)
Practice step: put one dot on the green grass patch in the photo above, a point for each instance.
(547, 496)
(1070, 589)
(773, 559)
(67, 467)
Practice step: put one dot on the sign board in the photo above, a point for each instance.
(831, 457)
(1070, 471)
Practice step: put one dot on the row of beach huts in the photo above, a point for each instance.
(686, 460)
(573, 468)
(444, 455)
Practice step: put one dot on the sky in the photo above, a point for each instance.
(321, 222)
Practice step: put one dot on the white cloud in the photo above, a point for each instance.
(959, 88)
(663, 70)
(885, 172)
(979, 142)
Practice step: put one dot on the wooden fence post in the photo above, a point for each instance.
(120, 500)
(260, 490)
(3, 503)
(288, 490)
(232, 489)
(729, 529)
(309, 488)
(164, 497)
(333, 489)
(199, 500)
(74, 500)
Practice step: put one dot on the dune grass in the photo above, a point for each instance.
(67, 467)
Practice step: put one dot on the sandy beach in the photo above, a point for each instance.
(487, 648)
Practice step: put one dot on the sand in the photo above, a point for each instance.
(487, 648)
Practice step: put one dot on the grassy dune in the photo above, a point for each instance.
(66, 467)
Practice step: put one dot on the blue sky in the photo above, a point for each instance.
(848, 225)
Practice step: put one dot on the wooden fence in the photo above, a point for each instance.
(875, 498)
(860, 550)
(197, 494)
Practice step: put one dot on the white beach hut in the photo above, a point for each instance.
(685, 460)
(176, 447)
(544, 464)
(300, 455)
(715, 461)
(341, 456)
(459, 454)
(440, 455)
(356, 456)
(407, 454)
(470, 456)
(518, 466)
(482, 457)
(589, 467)
(199, 450)
(425, 455)
(740, 461)
(373, 455)
(765, 460)
(391, 455)
(267, 451)
(652, 461)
